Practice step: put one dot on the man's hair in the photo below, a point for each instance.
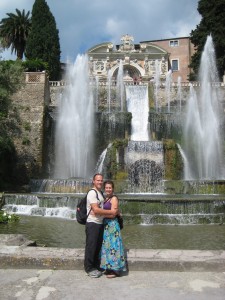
(97, 174)
(108, 182)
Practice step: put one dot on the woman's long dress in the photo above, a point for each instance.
(112, 252)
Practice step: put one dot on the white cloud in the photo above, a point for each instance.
(83, 24)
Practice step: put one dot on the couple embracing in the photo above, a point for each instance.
(104, 250)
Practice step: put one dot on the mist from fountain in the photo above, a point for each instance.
(202, 137)
(75, 124)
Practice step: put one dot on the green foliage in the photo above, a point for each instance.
(43, 40)
(10, 80)
(34, 65)
(212, 22)
(8, 218)
(14, 31)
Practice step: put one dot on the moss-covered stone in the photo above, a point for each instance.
(173, 160)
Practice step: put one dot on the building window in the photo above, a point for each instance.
(175, 65)
(174, 43)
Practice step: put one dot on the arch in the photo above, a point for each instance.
(132, 70)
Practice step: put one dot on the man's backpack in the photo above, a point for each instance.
(81, 213)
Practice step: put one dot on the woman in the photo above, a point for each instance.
(112, 252)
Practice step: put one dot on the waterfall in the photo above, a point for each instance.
(75, 124)
(137, 104)
(202, 146)
(100, 163)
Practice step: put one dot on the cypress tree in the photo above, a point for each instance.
(43, 40)
(212, 22)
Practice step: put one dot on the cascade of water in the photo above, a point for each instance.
(120, 85)
(157, 84)
(202, 146)
(168, 89)
(100, 163)
(179, 91)
(187, 171)
(137, 104)
(75, 123)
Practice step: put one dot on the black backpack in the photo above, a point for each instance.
(81, 213)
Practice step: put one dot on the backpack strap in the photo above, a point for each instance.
(96, 197)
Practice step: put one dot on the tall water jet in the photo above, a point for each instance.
(168, 89)
(203, 147)
(157, 84)
(75, 124)
(120, 85)
(179, 91)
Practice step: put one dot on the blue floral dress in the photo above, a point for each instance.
(112, 252)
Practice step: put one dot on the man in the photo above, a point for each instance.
(94, 227)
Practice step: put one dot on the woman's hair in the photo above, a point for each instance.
(108, 182)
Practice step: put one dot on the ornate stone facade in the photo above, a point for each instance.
(139, 60)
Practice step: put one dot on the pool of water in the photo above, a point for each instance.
(56, 232)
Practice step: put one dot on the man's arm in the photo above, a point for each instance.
(103, 212)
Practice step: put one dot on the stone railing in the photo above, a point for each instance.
(57, 83)
(174, 84)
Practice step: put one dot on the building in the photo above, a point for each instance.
(179, 52)
(144, 61)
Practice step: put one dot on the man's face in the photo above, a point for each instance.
(98, 182)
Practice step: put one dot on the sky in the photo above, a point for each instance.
(83, 24)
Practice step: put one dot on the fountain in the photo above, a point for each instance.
(202, 130)
(133, 156)
(74, 128)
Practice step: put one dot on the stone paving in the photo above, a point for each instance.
(36, 273)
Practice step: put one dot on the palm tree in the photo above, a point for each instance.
(14, 31)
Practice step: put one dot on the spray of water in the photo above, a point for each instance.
(168, 88)
(120, 85)
(203, 147)
(157, 85)
(75, 124)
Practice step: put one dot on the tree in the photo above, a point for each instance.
(43, 40)
(212, 22)
(14, 31)
(11, 79)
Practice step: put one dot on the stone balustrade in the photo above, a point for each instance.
(163, 84)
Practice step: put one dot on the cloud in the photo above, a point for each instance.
(84, 23)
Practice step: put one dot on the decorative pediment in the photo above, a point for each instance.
(101, 48)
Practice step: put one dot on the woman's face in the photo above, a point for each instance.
(108, 189)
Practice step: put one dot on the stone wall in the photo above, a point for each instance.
(27, 116)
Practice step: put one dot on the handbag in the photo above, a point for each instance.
(120, 221)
